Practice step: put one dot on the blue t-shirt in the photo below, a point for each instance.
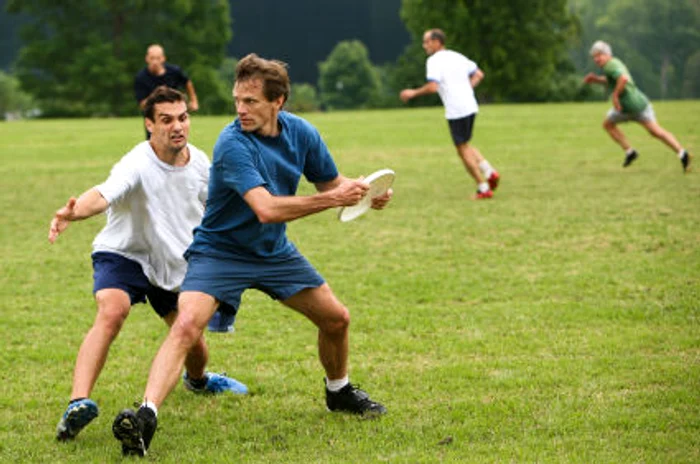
(245, 160)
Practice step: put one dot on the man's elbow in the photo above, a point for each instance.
(266, 215)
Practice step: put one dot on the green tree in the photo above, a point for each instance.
(347, 78)
(659, 33)
(80, 57)
(12, 99)
(518, 43)
(303, 99)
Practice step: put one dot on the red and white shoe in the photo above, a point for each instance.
(483, 195)
(493, 180)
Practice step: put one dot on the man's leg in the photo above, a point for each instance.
(194, 311)
(333, 321)
(113, 307)
(322, 307)
(471, 158)
(617, 135)
(135, 430)
(662, 134)
(198, 357)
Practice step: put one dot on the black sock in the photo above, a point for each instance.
(198, 383)
(77, 399)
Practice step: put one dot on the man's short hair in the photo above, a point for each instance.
(601, 47)
(437, 34)
(273, 73)
(162, 94)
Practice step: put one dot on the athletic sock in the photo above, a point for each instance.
(198, 383)
(151, 406)
(681, 152)
(336, 385)
(483, 187)
(629, 151)
(486, 168)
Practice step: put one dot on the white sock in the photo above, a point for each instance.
(483, 187)
(336, 385)
(629, 151)
(151, 406)
(681, 152)
(486, 168)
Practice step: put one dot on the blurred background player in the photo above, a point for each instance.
(454, 77)
(157, 73)
(154, 198)
(629, 104)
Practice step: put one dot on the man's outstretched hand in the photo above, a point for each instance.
(61, 219)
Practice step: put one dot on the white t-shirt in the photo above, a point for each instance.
(153, 209)
(451, 70)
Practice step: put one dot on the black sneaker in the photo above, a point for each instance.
(685, 160)
(135, 430)
(352, 399)
(629, 158)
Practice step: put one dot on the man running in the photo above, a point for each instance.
(629, 104)
(454, 77)
(154, 197)
(157, 73)
(242, 243)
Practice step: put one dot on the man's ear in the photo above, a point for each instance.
(150, 125)
(279, 103)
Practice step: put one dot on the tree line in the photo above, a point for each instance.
(79, 57)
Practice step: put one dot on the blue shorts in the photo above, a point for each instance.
(115, 271)
(227, 279)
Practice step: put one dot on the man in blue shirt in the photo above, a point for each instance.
(242, 243)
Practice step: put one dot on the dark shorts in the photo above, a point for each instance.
(461, 129)
(115, 271)
(227, 279)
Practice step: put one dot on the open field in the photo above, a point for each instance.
(559, 322)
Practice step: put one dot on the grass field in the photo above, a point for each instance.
(559, 322)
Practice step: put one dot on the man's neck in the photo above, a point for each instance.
(272, 128)
(173, 158)
(158, 72)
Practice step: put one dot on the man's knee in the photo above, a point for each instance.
(111, 314)
(608, 125)
(187, 329)
(337, 322)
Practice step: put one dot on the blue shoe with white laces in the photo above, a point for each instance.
(214, 384)
(78, 414)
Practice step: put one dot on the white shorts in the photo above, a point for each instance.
(647, 115)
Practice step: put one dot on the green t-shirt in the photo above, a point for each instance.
(632, 99)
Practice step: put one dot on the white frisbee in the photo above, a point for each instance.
(379, 183)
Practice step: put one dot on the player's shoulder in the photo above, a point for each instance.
(142, 74)
(197, 155)
(295, 124)
(232, 139)
(173, 68)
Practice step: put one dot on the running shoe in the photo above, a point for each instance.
(78, 414)
(215, 384)
(135, 430)
(629, 158)
(493, 180)
(353, 400)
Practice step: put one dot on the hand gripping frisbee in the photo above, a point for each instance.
(379, 183)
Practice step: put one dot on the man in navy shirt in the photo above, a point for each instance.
(242, 243)
(157, 73)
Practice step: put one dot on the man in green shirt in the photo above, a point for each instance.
(629, 104)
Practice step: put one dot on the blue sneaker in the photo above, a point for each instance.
(222, 322)
(78, 414)
(216, 383)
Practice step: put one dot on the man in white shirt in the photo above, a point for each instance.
(454, 77)
(154, 198)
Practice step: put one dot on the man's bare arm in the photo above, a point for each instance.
(194, 102)
(592, 78)
(476, 78)
(430, 87)
(87, 205)
(274, 209)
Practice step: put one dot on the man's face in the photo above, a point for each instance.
(155, 57)
(254, 110)
(430, 45)
(600, 59)
(170, 127)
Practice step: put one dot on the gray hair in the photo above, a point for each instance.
(601, 47)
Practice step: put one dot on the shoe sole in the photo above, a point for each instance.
(77, 419)
(126, 429)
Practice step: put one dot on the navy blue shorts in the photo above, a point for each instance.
(227, 279)
(462, 129)
(115, 271)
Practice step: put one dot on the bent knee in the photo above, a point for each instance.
(608, 125)
(111, 316)
(338, 322)
(186, 329)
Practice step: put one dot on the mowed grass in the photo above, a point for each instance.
(557, 323)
